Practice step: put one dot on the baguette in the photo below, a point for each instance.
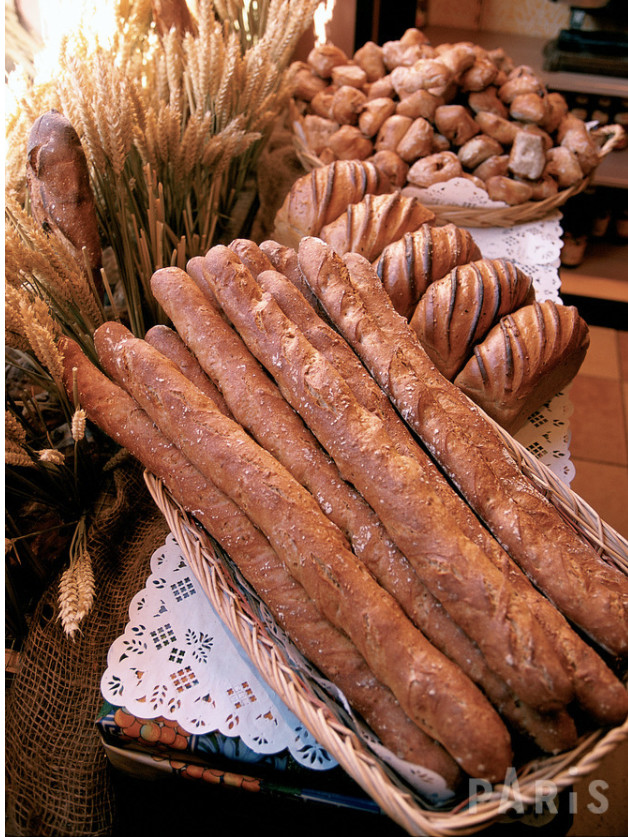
(459, 310)
(524, 361)
(584, 587)
(170, 344)
(262, 410)
(377, 220)
(451, 565)
(119, 416)
(409, 265)
(258, 405)
(323, 194)
(433, 692)
(551, 733)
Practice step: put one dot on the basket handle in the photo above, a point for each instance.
(612, 136)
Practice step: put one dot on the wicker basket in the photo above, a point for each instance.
(402, 805)
(609, 138)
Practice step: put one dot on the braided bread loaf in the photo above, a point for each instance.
(322, 195)
(458, 310)
(528, 357)
(408, 265)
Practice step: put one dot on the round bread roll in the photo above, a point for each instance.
(435, 168)
(456, 123)
(369, 58)
(478, 149)
(392, 166)
(417, 140)
(324, 57)
(510, 191)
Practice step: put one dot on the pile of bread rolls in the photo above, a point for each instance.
(477, 319)
(425, 114)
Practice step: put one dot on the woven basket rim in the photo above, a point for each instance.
(404, 807)
(483, 216)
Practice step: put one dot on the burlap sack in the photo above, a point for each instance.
(57, 775)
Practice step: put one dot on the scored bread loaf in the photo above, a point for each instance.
(458, 310)
(377, 220)
(588, 590)
(118, 415)
(449, 563)
(323, 194)
(527, 358)
(410, 264)
(434, 693)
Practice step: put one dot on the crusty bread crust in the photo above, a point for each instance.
(467, 584)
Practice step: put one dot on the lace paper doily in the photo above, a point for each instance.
(176, 659)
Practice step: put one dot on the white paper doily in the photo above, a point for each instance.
(177, 660)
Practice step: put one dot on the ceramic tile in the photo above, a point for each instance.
(600, 802)
(602, 357)
(605, 488)
(622, 340)
(598, 431)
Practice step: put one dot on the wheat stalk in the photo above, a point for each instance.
(76, 586)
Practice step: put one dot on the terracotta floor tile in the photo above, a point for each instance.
(602, 358)
(598, 431)
(605, 488)
(600, 801)
(622, 340)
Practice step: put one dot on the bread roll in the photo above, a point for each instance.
(368, 226)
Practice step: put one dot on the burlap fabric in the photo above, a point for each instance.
(57, 776)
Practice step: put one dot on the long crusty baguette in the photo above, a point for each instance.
(409, 265)
(433, 692)
(597, 689)
(458, 310)
(273, 255)
(169, 343)
(377, 220)
(119, 416)
(261, 409)
(551, 733)
(582, 585)
(258, 405)
(452, 567)
(524, 361)
(323, 194)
